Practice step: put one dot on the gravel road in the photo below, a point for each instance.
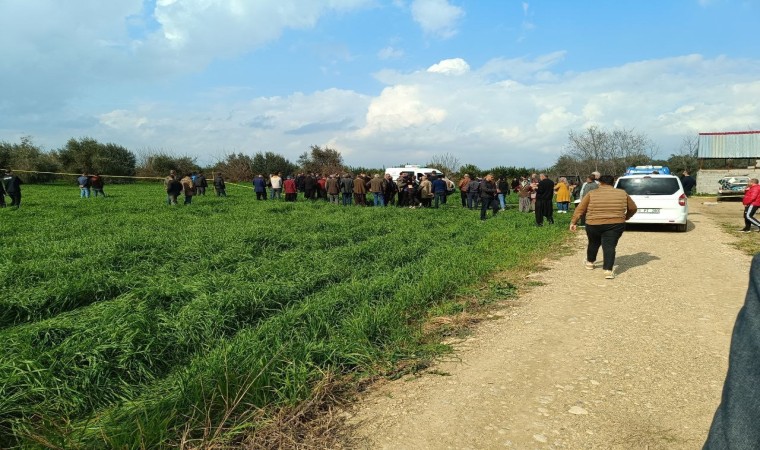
(584, 362)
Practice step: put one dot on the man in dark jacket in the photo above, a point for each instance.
(310, 186)
(439, 191)
(688, 182)
(219, 186)
(173, 188)
(97, 185)
(473, 193)
(347, 189)
(260, 187)
(544, 195)
(12, 185)
(735, 425)
(488, 196)
(200, 184)
(389, 196)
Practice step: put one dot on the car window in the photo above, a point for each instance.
(649, 186)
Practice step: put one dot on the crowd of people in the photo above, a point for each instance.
(536, 192)
(190, 185)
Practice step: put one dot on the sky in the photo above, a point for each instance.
(384, 82)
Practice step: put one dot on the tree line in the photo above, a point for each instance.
(593, 149)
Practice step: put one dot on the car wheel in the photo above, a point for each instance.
(681, 227)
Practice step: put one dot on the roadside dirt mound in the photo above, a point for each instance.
(584, 362)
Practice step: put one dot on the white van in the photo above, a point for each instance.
(418, 171)
(658, 198)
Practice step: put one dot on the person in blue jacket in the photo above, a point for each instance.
(260, 187)
(84, 186)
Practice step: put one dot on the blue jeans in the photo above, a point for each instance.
(378, 197)
(440, 197)
(735, 422)
(472, 199)
(346, 199)
(276, 193)
(188, 199)
(501, 201)
(84, 192)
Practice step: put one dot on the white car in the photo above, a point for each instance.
(660, 199)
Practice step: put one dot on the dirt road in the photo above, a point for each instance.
(584, 362)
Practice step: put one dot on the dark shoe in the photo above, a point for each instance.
(744, 230)
(551, 221)
(539, 224)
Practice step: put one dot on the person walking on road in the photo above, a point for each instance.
(751, 202)
(606, 210)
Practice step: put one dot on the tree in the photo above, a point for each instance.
(446, 163)
(270, 162)
(158, 163)
(321, 160)
(470, 169)
(90, 156)
(26, 156)
(686, 158)
(236, 167)
(608, 152)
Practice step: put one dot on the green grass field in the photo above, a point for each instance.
(128, 323)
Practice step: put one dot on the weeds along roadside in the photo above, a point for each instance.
(153, 358)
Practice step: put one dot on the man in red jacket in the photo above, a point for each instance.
(751, 202)
(291, 189)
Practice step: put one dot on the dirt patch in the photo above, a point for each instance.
(584, 362)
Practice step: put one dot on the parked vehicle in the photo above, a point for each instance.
(660, 199)
(416, 170)
(732, 187)
(649, 169)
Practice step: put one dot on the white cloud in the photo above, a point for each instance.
(437, 17)
(456, 66)
(400, 108)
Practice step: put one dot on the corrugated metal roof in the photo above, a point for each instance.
(732, 144)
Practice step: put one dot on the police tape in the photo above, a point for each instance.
(108, 176)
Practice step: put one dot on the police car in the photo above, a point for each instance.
(659, 196)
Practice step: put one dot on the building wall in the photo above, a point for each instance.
(707, 179)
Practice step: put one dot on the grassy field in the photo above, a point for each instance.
(128, 323)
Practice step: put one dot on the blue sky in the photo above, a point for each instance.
(492, 82)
